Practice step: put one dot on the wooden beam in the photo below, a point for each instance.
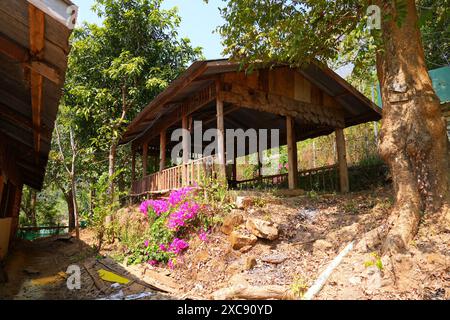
(37, 41)
(247, 97)
(37, 31)
(220, 133)
(292, 153)
(20, 54)
(342, 160)
(162, 150)
(188, 106)
(20, 120)
(164, 97)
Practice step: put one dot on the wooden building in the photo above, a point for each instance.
(301, 103)
(34, 44)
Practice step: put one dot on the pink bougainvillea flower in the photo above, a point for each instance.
(162, 247)
(186, 211)
(177, 196)
(178, 245)
(153, 262)
(146, 243)
(144, 207)
(159, 206)
(172, 263)
(203, 235)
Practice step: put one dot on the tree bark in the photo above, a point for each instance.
(33, 208)
(413, 140)
(111, 169)
(70, 209)
(75, 206)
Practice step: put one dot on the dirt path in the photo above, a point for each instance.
(36, 270)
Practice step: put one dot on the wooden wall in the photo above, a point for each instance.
(10, 194)
(283, 81)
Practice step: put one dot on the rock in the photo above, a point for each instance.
(355, 280)
(238, 279)
(275, 258)
(245, 249)
(343, 234)
(307, 214)
(321, 245)
(262, 229)
(349, 232)
(240, 239)
(231, 221)
(373, 282)
(243, 202)
(250, 262)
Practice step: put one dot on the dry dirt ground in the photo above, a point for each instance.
(313, 230)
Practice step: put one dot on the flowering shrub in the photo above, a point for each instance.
(168, 221)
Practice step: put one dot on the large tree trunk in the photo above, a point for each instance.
(75, 206)
(413, 137)
(69, 199)
(33, 208)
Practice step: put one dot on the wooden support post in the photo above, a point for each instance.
(162, 150)
(133, 167)
(144, 159)
(186, 147)
(292, 153)
(342, 160)
(259, 155)
(220, 134)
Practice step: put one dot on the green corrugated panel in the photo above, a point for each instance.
(441, 84)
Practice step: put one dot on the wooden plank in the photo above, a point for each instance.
(46, 71)
(220, 133)
(292, 153)
(195, 70)
(342, 160)
(36, 105)
(262, 101)
(190, 105)
(162, 150)
(13, 50)
(56, 32)
(37, 42)
(18, 53)
(21, 121)
(37, 31)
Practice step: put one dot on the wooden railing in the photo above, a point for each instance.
(323, 178)
(176, 177)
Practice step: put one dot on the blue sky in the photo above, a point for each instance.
(198, 21)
